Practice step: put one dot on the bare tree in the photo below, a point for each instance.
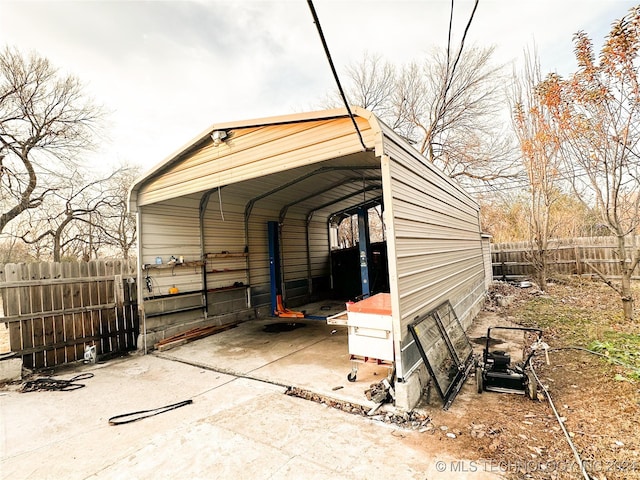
(504, 217)
(44, 122)
(12, 248)
(540, 153)
(373, 82)
(463, 103)
(117, 226)
(348, 229)
(73, 204)
(449, 107)
(598, 111)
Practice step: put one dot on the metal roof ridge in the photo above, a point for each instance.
(265, 121)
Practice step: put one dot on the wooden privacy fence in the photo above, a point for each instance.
(572, 256)
(55, 310)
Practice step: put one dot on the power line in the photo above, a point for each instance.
(516, 183)
(333, 69)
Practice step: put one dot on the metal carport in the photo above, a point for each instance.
(210, 204)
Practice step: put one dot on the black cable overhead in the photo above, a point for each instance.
(333, 69)
(466, 31)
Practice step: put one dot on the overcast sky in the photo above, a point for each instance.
(165, 71)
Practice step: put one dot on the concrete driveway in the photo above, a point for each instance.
(236, 428)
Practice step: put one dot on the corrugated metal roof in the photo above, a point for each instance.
(305, 189)
(266, 153)
(255, 148)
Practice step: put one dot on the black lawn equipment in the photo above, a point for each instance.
(496, 373)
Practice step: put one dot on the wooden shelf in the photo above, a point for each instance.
(160, 266)
(223, 255)
(226, 255)
(226, 270)
(163, 296)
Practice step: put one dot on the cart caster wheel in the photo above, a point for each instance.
(351, 377)
(479, 380)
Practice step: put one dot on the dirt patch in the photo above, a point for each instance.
(523, 439)
(510, 435)
(598, 401)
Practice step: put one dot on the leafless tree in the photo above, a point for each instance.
(455, 114)
(449, 106)
(117, 226)
(348, 230)
(12, 248)
(74, 218)
(372, 82)
(44, 122)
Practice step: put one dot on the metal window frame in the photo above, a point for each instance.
(463, 365)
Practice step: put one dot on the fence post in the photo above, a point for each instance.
(118, 290)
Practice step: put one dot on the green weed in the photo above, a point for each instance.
(623, 349)
(587, 318)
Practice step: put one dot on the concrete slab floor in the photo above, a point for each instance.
(236, 428)
(314, 357)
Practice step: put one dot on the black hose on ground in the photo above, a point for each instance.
(54, 384)
(142, 414)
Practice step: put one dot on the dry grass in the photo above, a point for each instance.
(598, 398)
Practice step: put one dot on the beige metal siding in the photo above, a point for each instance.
(319, 246)
(438, 254)
(171, 228)
(255, 153)
(294, 259)
(224, 223)
(224, 240)
(294, 249)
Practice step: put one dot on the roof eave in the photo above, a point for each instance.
(205, 134)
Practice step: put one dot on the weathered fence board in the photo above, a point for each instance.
(576, 256)
(55, 310)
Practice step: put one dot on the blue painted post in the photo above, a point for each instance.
(363, 242)
(274, 263)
